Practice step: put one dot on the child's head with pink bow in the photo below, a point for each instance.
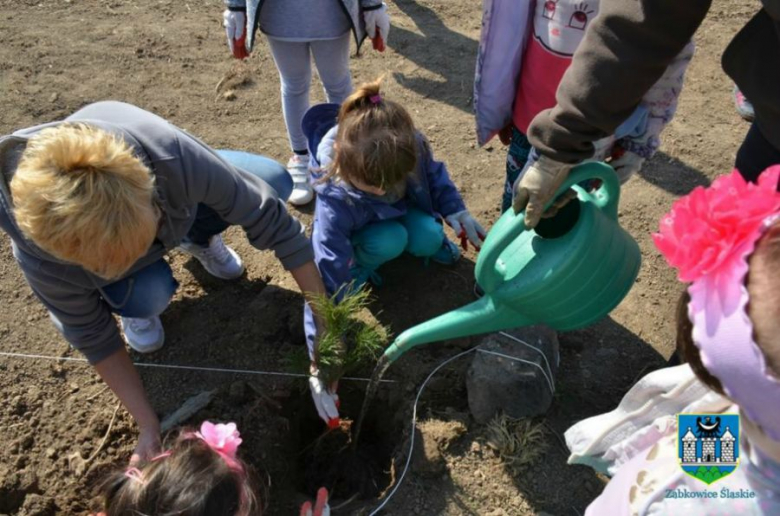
(198, 475)
(724, 241)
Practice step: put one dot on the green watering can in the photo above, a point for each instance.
(567, 273)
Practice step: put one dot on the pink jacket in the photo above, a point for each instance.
(518, 71)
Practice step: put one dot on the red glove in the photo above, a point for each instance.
(379, 43)
(235, 30)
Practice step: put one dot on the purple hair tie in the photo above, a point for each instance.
(375, 99)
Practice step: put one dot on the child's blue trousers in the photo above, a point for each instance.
(416, 233)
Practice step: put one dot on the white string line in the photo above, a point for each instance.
(414, 427)
(544, 373)
(186, 368)
(544, 356)
(417, 399)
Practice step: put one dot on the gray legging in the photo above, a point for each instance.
(293, 60)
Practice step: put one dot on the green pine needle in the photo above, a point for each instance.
(347, 342)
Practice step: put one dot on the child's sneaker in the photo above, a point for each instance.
(217, 258)
(298, 167)
(448, 253)
(143, 334)
(743, 105)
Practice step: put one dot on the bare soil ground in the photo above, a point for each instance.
(169, 56)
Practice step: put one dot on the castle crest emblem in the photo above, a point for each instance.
(708, 445)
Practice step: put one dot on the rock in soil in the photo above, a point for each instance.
(519, 389)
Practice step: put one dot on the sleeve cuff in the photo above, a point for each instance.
(98, 353)
(371, 6)
(298, 258)
(453, 206)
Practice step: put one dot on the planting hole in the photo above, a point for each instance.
(326, 458)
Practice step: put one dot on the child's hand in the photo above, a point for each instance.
(326, 401)
(378, 43)
(377, 23)
(321, 507)
(625, 163)
(467, 229)
(148, 446)
(505, 135)
(235, 29)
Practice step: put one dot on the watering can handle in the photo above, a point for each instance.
(510, 226)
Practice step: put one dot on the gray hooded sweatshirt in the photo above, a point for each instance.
(187, 172)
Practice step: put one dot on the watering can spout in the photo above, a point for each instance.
(482, 316)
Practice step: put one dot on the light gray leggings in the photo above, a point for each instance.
(293, 60)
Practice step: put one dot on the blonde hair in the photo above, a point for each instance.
(80, 194)
(376, 138)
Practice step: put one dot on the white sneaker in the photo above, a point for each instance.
(302, 193)
(143, 335)
(217, 258)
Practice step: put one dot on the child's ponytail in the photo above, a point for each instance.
(366, 96)
(376, 142)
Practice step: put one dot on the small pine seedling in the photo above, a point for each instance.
(348, 341)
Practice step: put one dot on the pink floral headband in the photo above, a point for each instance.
(222, 438)
(708, 236)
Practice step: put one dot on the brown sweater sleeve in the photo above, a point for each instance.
(625, 51)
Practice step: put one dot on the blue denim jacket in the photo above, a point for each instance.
(342, 210)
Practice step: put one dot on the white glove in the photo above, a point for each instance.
(536, 186)
(377, 19)
(627, 165)
(467, 229)
(325, 401)
(235, 30)
(321, 507)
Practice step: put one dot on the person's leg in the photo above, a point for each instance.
(426, 234)
(270, 171)
(140, 299)
(293, 61)
(145, 293)
(756, 155)
(515, 161)
(374, 245)
(208, 222)
(332, 59)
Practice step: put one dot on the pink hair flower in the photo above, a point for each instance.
(707, 229)
(710, 231)
(222, 438)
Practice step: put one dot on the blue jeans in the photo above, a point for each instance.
(416, 233)
(516, 158)
(147, 292)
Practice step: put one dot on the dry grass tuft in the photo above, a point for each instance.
(519, 442)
